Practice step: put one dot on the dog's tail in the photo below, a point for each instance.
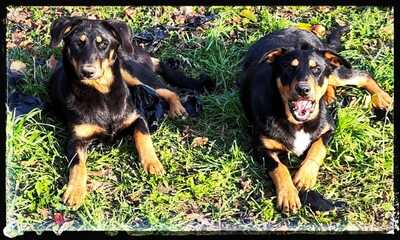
(171, 73)
(333, 39)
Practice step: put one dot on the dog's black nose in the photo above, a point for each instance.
(303, 89)
(88, 71)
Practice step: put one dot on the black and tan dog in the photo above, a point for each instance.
(92, 90)
(290, 77)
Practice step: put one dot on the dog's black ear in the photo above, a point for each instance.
(61, 27)
(122, 32)
(272, 55)
(334, 59)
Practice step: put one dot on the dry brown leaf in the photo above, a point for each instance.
(246, 184)
(94, 185)
(340, 22)
(324, 9)
(44, 212)
(199, 141)
(26, 43)
(165, 189)
(318, 29)
(186, 10)
(76, 14)
(18, 66)
(58, 218)
(130, 12)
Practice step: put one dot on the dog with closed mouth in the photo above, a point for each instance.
(92, 90)
(289, 78)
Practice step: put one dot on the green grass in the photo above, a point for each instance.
(216, 186)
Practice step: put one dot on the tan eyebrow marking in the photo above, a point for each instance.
(82, 38)
(99, 39)
(312, 63)
(294, 62)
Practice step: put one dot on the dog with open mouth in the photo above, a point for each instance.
(289, 79)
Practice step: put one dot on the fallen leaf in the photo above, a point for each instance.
(319, 30)
(247, 13)
(165, 189)
(94, 185)
(186, 10)
(246, 184)
(76, 14)
(52, 62)
(236, 19)
(304, 26)
(340, 22)
(199, 141)
(26, 43)
(134, 197)
(389, 29)
(58, 218)
(324, 9)
(180, 19)
(130, 12)
(18, 66)
(44, 212)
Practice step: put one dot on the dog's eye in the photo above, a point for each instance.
(316, 70)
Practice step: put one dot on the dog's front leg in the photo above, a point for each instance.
(306, 176)
(81, 136)
(76, 189)
(144, 146)
(288, 200)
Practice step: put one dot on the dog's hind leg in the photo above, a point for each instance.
(344, 77)
(135, 74)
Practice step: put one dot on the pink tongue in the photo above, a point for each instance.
(301, 107)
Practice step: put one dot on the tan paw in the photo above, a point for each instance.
(306, 177)
(288, 200)
(381, 100)
(153, 167)
(177, 110)
(75, 194)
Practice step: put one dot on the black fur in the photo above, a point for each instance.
(261, 99)
(78, 103)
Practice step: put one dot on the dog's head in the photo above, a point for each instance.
(91, 46)
(302, 79)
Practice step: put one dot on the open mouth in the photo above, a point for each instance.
(302, 109)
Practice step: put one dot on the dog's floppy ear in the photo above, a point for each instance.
(334, 59)
(271, 55)
(61, 27)
(122, 32)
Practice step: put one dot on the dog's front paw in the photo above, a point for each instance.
(381, 100)
(177, 110)
(153, 166)
(288, 200)
(75, 194)
(306, 177)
